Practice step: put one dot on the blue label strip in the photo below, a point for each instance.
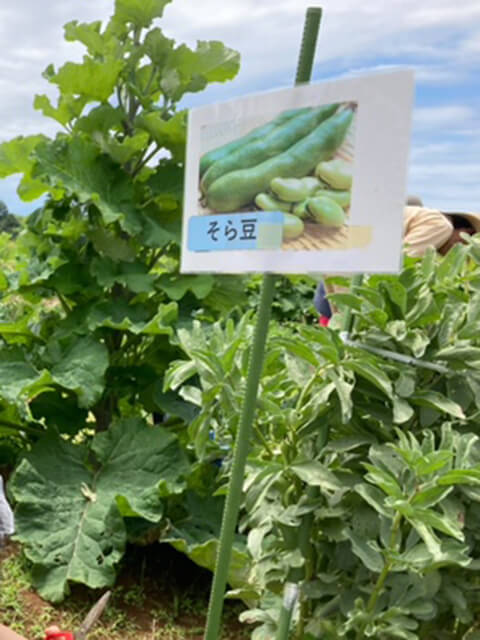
(236, 231)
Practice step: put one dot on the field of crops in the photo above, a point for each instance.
(122, 380)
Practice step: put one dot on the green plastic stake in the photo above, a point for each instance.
(290, 597)
(242, 441)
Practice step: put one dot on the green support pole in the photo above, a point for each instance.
(242, 441)
(240, 452)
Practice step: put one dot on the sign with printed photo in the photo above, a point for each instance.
(303, 180)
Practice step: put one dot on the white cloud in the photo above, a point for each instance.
(442, 116)
(438, 39)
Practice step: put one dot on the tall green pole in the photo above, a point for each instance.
(242, 441)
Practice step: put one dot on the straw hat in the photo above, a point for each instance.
(473, 218)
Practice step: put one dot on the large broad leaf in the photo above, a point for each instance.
(82, 369)
(140, 13)
(198, 533)
(69, 513)
(15, 157)
(90, 79)
(169, 133)
(19, 379)
(79, 168)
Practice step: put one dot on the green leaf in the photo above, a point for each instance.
(82, 369)
(384, 480)
(19, 379)
(460, 476)
(366, 551)
(176, 286)
(112, 246)
(438, 521)
(133, 318)
(67, 515)
(371, 373)
(133, 275)
(402, 411)
(90, 79)
(169, 134)
(157, 46)
(315, 474)
(375, 499)
(78, 167)
(197, 536)
(69, 107)
(344, 393)
(178, 372)
(397, 293)
(16, 157)
(140, 13)
(436, 400)
(124, 150)
(89, 35)
(191, 70)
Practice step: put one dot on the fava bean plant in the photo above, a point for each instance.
(363, 485)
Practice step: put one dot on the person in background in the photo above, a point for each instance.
(423, 228)
(7, 526)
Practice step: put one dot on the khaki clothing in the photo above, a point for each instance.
(424, 228)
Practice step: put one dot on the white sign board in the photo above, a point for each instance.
(304, 180)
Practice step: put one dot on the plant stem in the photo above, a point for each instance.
(21, 427)
(383, 575)
(143, 161)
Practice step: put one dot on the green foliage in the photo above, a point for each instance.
(363, 479)
(71, 499)
(91, 293)
(8, 222)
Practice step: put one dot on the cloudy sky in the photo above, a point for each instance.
(439, 39)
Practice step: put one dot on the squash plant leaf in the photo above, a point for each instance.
(68, 512)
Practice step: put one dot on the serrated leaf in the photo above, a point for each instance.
(140, 13)
(169, 134)
(176, 286)
(82, 369)
(157, 46)
(90, 79)
(78, 167)
(133, 275)
(68, 107)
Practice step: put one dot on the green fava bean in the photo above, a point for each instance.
(269, 203)
(326, 211)
(292, 226)
(336, 173)
(312, 184)
(301, 209)
(289, 189)
(341, 197)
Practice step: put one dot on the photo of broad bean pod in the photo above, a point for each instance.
(300, 163)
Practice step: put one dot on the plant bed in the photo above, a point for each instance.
(159, 594)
